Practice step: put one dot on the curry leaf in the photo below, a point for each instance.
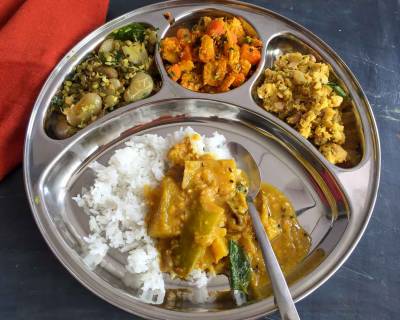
(134, 32)
(239, 267)
(57, 102)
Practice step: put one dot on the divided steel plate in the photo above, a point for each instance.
(334, 204)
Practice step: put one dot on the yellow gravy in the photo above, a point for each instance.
(201, 204)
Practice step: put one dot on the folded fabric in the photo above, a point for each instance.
(34, 35)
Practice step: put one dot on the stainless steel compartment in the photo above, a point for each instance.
(334, 204)
(287, 42)
(189, 19)
(53, 118)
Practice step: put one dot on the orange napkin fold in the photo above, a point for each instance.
(34, 35)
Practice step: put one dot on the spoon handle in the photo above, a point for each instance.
(283, 298)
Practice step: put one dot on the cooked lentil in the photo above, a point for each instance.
(298, 91)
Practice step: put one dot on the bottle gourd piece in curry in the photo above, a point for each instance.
(200, 208)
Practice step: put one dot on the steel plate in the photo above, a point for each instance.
(334, 203)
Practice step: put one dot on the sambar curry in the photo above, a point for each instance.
(200, 208)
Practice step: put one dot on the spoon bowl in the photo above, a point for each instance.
(247, 163)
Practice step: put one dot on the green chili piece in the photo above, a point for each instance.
(338, 89)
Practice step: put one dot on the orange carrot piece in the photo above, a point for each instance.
(250, 53)
(216, 28)
(175, 72)
(184, 35)
(229, 79)
(239, 79)
(187, 53)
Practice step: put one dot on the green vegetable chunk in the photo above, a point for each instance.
(57, 102)
(198, 234)
(338, 89)
(134, 32)
(239, 267)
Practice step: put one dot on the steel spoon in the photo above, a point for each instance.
(283, 298)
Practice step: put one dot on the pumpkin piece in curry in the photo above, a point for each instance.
(201, 204)
(216, 55)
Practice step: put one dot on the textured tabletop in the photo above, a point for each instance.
(34, 285)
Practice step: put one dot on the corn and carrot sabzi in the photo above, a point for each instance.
(215, 56)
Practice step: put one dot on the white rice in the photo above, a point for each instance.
(116, 207)
(198, 278)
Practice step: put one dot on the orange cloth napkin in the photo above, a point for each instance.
(34, 35)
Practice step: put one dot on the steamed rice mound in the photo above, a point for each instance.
(116, 206)
(296, 90)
